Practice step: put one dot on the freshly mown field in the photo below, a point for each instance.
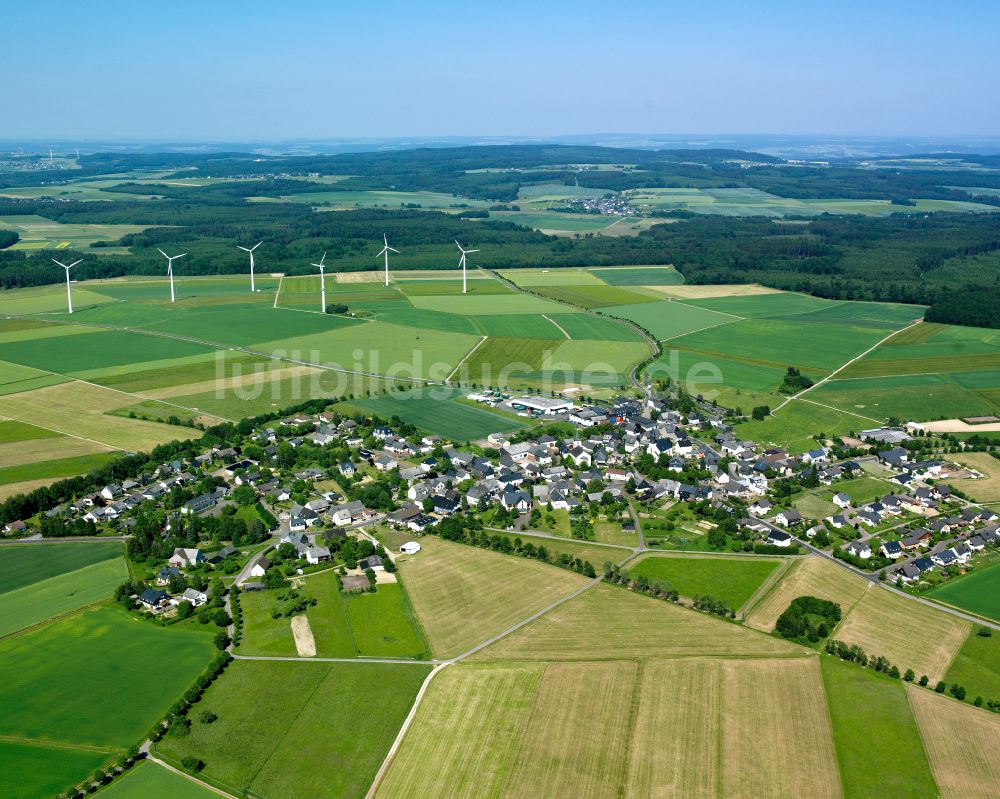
(908, 634)
(60, 594)
(978, 592)
(961, 744)
(976, 667)
(274, 717)
(609, 622)
(558, 729)
(463, 595)
(731, 579)
(872, 721)
(597, 555)
(807, 577)
(31, 563)
(150, 781)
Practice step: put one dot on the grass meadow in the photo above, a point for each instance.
(978, 592)
(151, 781)
(734, 580)
(292, 729)
(30, 563)
(37, 771)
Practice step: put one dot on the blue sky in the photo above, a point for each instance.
(244, 71)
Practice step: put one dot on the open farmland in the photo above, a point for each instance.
(961, 744)
(454, 591)
(871, 718)
(267, 710)
(732, 579)
(976, 667)
(34, 771)
(908, 634)
(986, 488)
(152, 780)
(31, 563)
(807, 577)
(611, 622)
(39, 233)
(533, 729)
(978, 592)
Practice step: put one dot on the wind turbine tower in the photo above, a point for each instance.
(461, 263)
(322, 284)
(170, 269)
(250, 250)
(385, 251)
(69, 293)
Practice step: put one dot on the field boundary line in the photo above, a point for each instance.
(673, 301)
(143, 397)
(692, 332)
(841, 410)
(295, 659)
(189, 777)
(561, 328)
(465, 358)
(840, 369)
(765, 588)
(278, 292)
(829, 720)
(52, 744)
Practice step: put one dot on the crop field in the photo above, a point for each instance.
(49, 699)
(519, 326)
(563, 276)
(151, 780)
(37, 232)
(60, 594)
(872, 720)
(669, 320)
(423, 408)
(908, 634)
(609, 622)
(33, 771)
(53, 469)
(535, 729)
(271, 714)
(593, 328)
(31, 563)
(807, 577)
(961, 744)
(345, 200)
(640, 276)
(978, 592)
(558, 222)
(455, 589)
(486, 304)
(599, 296)
(732, 579)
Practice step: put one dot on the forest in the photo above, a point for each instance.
(937, 259)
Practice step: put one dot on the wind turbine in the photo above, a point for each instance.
(385, 251)
(69, 294)
(322, 283)
(461, 263)
(250, 250)
(170, 269)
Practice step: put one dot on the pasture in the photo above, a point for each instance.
(908, 634)
(345, 714)
(455, 588)
(47, 695)
(807, 577)
(978, 592)
(872, 720)
(60, 594)
(961, 744)
(795, 425)
(976, 667)
(609, 622)
(732, 579)
(31, 563)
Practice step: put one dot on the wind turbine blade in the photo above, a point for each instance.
(58, 262)
(468, 251)
(74, 263)
(255, 246)
(184, 253)
(393, 250)
(163, 253)
(238, 247)
(385, 239)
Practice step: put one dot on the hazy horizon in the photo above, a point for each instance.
(230, 71)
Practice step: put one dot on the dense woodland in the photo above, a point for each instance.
(948, 260)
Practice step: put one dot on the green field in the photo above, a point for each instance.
(150, 781)
(872, 723)
(595, 296)
(54, 469)
(594, 328)
(423, 408)
(54, 679)
(31, 563)
(565, 276)
(978, 592)
(732, 579)
(640, 276)
(32, 771)
(290, 730)
(668, 319)
(11, 431)
(976, 667)
(795, 425)
(344, 626)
